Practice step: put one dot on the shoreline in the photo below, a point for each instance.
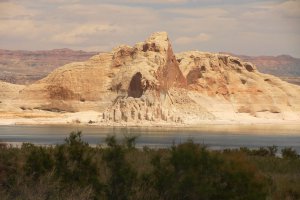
(270, 128)
(92, 119)
(66, 121)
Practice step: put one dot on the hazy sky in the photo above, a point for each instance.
(252, 27)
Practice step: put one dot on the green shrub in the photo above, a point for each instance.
(74, 164)
(38, 162)
(122, 175)
(74, 170)
(289, 153)
(262, 151)
(192, 172)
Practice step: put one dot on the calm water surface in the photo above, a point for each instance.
(214, 136)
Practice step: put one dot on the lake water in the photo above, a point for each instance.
(214, 136)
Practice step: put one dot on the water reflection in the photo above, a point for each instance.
(214, 136)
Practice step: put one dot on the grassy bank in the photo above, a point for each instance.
(74, 170)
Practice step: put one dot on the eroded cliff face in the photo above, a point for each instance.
(147, 82)
(238, 87)
(127, 84)
(9, 96)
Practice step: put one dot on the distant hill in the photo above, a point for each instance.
(24, 67)
(284, 66)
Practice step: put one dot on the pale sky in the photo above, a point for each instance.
(250, 27)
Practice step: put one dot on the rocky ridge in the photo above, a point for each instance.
(238, 86)
(26, 67)
(149, 83)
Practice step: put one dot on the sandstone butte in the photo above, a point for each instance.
(148, 84)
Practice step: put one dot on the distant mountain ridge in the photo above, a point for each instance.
(282, 65)
(24, 67)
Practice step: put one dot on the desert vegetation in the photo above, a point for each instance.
(119, 170)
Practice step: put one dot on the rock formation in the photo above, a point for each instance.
(26, 67)
(9, 91)
(130, 83)
(148, 82)
(238, 85)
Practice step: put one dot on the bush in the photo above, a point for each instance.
(74, 164)
(38, 162)
(3, 145)
(122, 175)
(262, 151)
(289, 153)
(74, 170)
(192, 172)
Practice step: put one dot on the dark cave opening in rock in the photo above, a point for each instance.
(135, 89)
(249, 68)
